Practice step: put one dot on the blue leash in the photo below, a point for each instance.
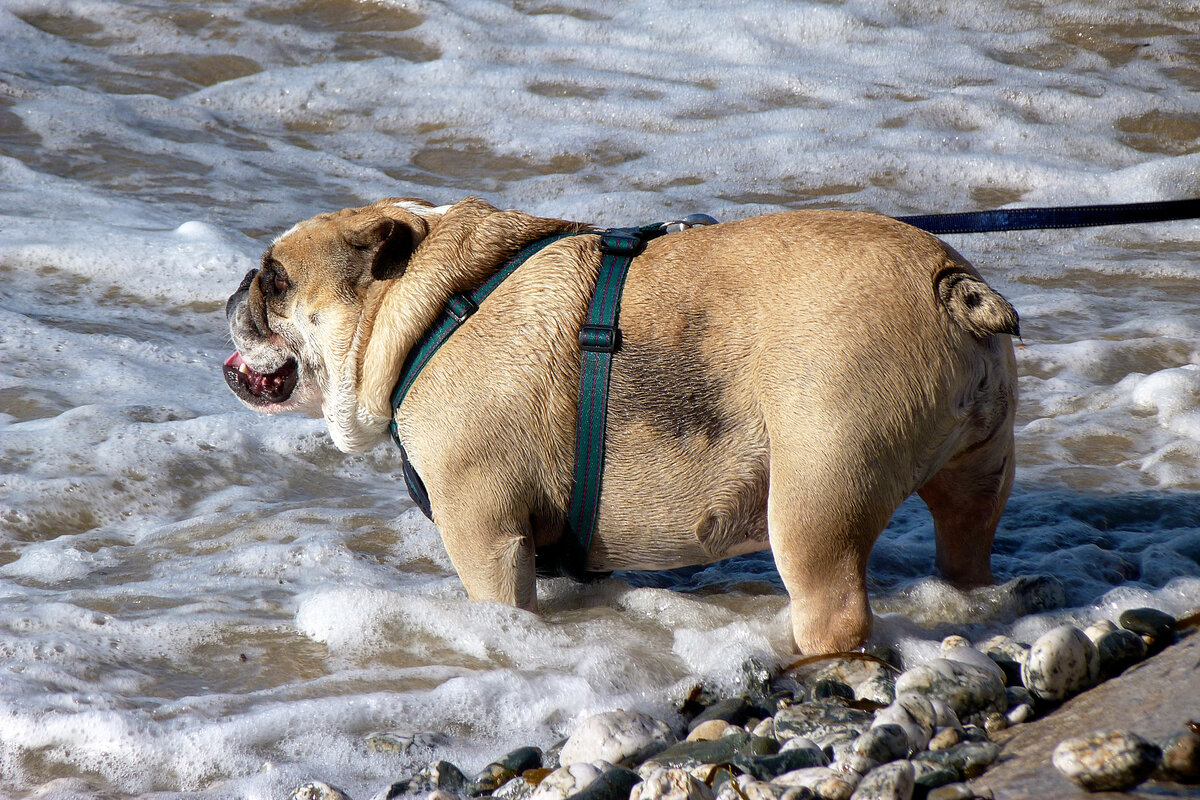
(1024, 219)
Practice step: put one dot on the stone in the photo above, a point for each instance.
(498, 773)
(1019, 714)
(516, 789)
(1098, 629)
(1107, 760)
(764, 768)
(439, 775)
(744, 787)
(824, 782)
(317, 790)
(882, 743)
(620, 737)
(405, 743)
(1158, 625)
(827, 736)
(945, 739)
(802, 720)
(1181, 756)
(1061, 663)
(927, 775)
(570, 780)
(1008, 654)
(968, 759)
(613, 784)
(879, 689)
(951, 791)
(953, 641)
(891, 781)
(966, 688)
(686, 755)
(711, 730)
(1118, 650)
(976, 658)
(830, 688)
(670, 784)
(733, 710)
(914, 714)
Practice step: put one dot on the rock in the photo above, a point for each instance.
(1151, 622)
(850, 671)
(1018, 695)
(968, 759)
(746, 788)
(1118, 650)
(516, 789)
(927, 775)
(882, 743)
(438, 775)
(765, 729)
(829, 689)
(966, 688)
(879, 689)
(734, 710)
(1098, 629)
(764, 768)
(976, 658)
(1181, 757)
(951, 791)
(619, 737)
(1107, 761)
(404, 743)
(614, 784)
(756, 677)
(317, 790)
(1008, 654)
(953, 641)
(892, 781)
(824, 782)
(802, 720)
(945, 739)
(827, 736)
(1061, 663)
(570, 780)
(498, 773)
(1020, 714)
(670, 784)
(711, 730)
(915, 714)
(686, 755)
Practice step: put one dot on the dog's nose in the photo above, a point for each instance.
(232, 303)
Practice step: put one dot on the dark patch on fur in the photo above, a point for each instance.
(670, 388)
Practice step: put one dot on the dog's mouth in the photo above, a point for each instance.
(259, 389)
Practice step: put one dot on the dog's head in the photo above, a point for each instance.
(300, 320)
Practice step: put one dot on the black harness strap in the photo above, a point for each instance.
(458, 309)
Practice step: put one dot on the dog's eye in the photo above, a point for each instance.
(280, 282)
(274, 282)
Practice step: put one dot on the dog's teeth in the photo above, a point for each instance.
(244, 369)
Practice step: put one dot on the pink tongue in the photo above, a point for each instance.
(234, 360)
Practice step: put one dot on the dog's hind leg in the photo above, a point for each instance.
(966, 498)
(822, 527)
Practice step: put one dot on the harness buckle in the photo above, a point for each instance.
(599, 338)
(459, 307)
(619, 242)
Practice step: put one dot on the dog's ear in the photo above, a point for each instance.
(387, 240)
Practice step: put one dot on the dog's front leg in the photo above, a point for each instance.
(492, 553)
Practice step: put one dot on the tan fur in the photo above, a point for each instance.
(784, 381)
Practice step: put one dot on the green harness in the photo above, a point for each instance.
(599, 338)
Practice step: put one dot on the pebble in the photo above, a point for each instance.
(1020, 714)
(879, 689)
(1151, 622)
(945, 739)
(1181, 757)
(687, 755)
(614, 784)
(1008, 654)
(951, 791)
(882, 743)
(498, 773)
(1097, 630)
(619, 737)
(389, 742)
(569, 780)
(1107, 760)
(734, 711)
(966, 688)
(802, 720)
(918, 731)
(1062, 662)
(1118, 650)
(517, 789)
(892, 781)
(969, 655)
(317, 790)
(968, 759)
(767, 767)
(671, 784)
(713, 729)
(824, 782)
(439, 775)
(928, 775)
(746, 788)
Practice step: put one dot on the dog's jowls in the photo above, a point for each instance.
(783, 381)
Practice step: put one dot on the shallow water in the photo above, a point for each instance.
(198, 600)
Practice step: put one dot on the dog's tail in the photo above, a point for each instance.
(974, 305)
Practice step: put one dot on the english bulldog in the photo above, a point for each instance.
(782, 382)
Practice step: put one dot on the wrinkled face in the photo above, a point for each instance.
(296, 319)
